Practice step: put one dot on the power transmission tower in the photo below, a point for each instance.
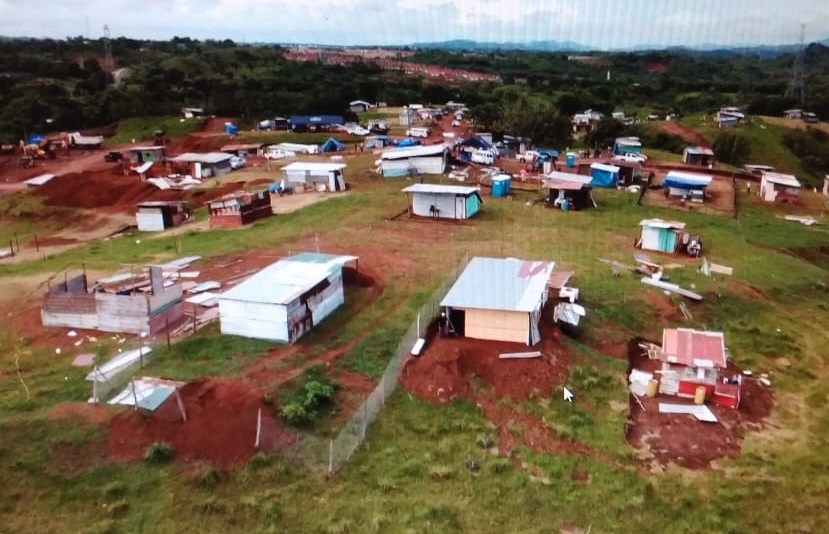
(108, 63)
(795, 88)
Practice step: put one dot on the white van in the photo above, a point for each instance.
(418, 132)
(484, 157)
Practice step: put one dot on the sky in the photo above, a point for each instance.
(601, 24)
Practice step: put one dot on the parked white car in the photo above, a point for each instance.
(527, 157)
(418, 132)
(237, 162)
(279, 154)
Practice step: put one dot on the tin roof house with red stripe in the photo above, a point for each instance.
(692, 359)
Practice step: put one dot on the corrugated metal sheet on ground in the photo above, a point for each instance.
(149, 392)
(118, 364)
(181, 263)
(507, 284)
(39, 180)
(204, 286)
(700, 411)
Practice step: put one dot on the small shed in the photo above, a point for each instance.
(629, 172)
(698, 155)
(499, 299)
(328, 175)
(286, 299)
(157, 216)
(238, 209)
(140, 155)
(602, 175)
(358, 106)
(691, 359)
(454, 202)
(401, 162)
(686, 184)
(574, 188)
(793, 113)
(775, 186)
(206, 164)
(660, 235)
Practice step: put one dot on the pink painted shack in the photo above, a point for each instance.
(693, 358)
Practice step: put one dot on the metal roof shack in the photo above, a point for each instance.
(775, 186)
(240, 208)
(661, 223)
(693, 348)
(506, 284)
(207, 157)
(414, 152)
(437, 201)
(286, 299)
(499, 299)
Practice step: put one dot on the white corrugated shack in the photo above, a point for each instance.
(499, 299)
(444, 201)
(286, 299)
(330, 175)
(205, 165)
(777, 186)
(400, 162)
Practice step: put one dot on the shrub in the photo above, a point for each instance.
(315, 391)
(209, 476)
(159, 453)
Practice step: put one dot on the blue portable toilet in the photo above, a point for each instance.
(231, 129)
(501, 186)
(571, 160)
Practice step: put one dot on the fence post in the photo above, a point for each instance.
(330, 456)
(365, 418)
(11, 247)
(258, 429)
(37, 245)
(17, 241)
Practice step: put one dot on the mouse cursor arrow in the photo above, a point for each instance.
(568, 395)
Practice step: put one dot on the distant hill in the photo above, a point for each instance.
(485, 46)
(707, 50)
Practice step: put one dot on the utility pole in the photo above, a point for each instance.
(795, 89)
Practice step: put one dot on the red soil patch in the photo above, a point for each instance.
(453, 368)
(683, 440)
(55, 241)
(655, 67)
(197, 143)
(220, 426)
(680, 130)
(107, 189)
(217, 124)
(449, 366)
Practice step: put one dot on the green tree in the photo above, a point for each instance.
(732, 148)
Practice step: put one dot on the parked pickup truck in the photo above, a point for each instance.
(76, 140)
(631, 158)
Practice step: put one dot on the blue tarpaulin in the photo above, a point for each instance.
(332, 145)
(407, 142)
(35, 139)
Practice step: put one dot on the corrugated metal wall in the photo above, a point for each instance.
(497, 325)
(149, 221)
(422, 202)
(254, 320)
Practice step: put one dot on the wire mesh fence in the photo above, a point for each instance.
(354, 432)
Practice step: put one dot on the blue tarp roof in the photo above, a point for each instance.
(679, 180)
(548, 151)
(332, 145)
(316, 119)
(35, 139)
(408, 142)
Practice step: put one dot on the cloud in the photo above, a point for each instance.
(598, 23)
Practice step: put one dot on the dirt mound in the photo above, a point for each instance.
(680, 130)
(449, 365)
(220, 426)
(683, 440)
(108, 189)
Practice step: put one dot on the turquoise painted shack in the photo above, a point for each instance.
(660, 235)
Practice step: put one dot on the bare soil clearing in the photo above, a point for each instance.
(681, 439)
(680, 130)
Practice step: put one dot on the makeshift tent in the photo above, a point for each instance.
(332, 145)
(683, 183)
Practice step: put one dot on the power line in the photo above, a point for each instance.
(795, 88)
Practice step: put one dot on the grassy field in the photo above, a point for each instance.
(142, 128)
(410, 475)
(766, 142)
